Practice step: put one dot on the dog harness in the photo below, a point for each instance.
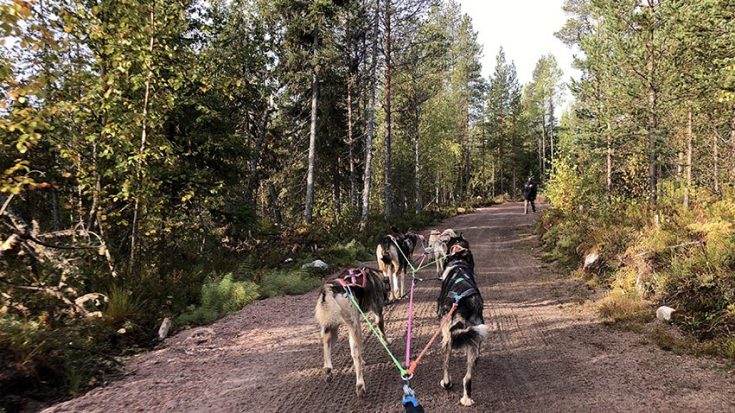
(456, 248)
(461, 286)
(353, 278)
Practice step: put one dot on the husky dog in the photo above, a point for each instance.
(438, 246)
(438, 249)
(466, 329)
(393, 263)
(447, 234)
(333, 308)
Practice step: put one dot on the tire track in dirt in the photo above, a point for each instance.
(544, 352)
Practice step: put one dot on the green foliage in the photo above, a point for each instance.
(341, 255)
(288, 282)
(684, 258)
(654, 93)
(218, 298)
(74, 357)
(147, 144)
(122, 306)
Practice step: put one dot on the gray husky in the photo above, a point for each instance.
(334, 308)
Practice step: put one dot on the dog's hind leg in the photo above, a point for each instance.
(378, 319)
(394, 289)
(329, 336)
(472, 353)
(356, 351)
(446, 381)
(403, 281)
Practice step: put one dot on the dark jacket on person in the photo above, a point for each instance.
(530, 190)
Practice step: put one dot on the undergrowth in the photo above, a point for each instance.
(220, 297)
(44, 358)
(650, 255)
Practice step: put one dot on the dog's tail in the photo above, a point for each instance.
(462, 337)
(327, 309)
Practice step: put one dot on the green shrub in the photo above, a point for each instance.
(666, 253)
(220, 298)
(285, 282)
(122, 306)
(73, 356)
(341, 255)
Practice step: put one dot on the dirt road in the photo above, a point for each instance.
(544, 354)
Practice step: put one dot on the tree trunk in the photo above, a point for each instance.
(689, 158)
(351, 146)
(552, 121)
(540, 155)
(652, 123)
(467, 154)
(492, 178)
(143, 141)
(273, 204)
(388, 167)
(609, 158)
(336, 194)
(312, 148)
(370, 112)
(417, 176)
(543, 149)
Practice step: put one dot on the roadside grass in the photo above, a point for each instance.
(619, 307)
(289, 282)
(219, 297)
(643, 256)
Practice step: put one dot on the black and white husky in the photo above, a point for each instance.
(466, 329)
(334, 308)
(393, 263)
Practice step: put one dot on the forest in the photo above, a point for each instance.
(642, 187)
(182, 159)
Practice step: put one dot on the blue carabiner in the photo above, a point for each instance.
(410, 402)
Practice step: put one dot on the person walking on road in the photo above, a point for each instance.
(529, 195)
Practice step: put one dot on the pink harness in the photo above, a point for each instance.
(353, 278)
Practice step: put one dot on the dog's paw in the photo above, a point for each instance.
(466, 401)
(360, 390)
(327, 374)
(447, 385)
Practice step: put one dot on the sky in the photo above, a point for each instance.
(525, 29)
